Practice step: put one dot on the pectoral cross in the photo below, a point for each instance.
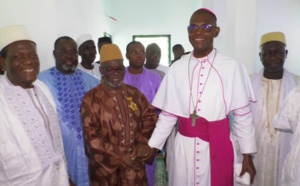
(194, 117)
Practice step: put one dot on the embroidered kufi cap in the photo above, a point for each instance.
(83, 38)
(110, 52)
(272, 36)
(104, 40)
(12, 34)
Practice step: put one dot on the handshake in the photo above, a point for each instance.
(141, 154)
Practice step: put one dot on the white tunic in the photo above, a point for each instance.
(272, 145)
(95, 71)
(31, 149)
(214, 86)
(288, 118)
(162, 68)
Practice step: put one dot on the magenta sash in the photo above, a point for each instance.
(217, 133)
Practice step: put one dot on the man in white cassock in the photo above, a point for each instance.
(31, 148)
(272, 85)
(200, 90)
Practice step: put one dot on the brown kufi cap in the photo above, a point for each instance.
(110, 52)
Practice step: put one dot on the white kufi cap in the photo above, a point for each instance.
(83, 38)
(12, 34)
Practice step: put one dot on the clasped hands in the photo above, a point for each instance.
(141, 153)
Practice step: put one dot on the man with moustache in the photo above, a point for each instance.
(31, 147)
(272, 85)
(87, 51)
(117, 123)
(200, 90)
(68, 86)
(144, 80)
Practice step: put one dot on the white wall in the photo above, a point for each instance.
(242, 23)
(143, 17)
(47, 20)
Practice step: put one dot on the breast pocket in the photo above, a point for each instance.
(12, 162)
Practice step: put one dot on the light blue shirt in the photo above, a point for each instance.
(68, 91)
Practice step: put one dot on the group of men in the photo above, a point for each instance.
(103, 124)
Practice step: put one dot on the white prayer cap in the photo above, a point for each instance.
(12, 34)
(83, 38)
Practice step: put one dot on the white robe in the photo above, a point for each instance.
(228, 89)
(95, 71)
(162, 68)
(31, 150)
(272, 145)
(288, 118)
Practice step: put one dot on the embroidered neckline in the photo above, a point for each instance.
(270, 128)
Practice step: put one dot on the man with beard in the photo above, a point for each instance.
(144, 80)
(200, 90)
(31, 147)
(68, 86)
(272, 85)
(117, 123)
(87, 51)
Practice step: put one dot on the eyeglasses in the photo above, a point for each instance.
(202, 28)
(269, 53)
(110, 70)
(66, 52)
